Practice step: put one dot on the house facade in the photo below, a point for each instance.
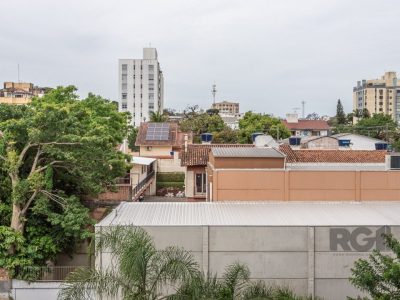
(301, 127)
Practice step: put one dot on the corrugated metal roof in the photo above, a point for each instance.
(255, 214)
(246, 152)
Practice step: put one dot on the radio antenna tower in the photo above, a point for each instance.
(214, 91)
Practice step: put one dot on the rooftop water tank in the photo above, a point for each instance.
(206, 137)
(254, 135)
(294, 141)
(344, 143)
(381, 146)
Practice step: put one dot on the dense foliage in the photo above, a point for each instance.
(340, 114)
(53, 152)
(253, 122)
(379, 276)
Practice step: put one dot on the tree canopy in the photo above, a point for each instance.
(340, 115)
(254, 122)
(53, 152)
(379, 276)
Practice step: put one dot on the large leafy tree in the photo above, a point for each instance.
(377, 126)
(52, 152)
(340, 114)
(254, 122)
(139, 271)
(379, 276)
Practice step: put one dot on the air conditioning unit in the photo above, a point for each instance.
(393, 161)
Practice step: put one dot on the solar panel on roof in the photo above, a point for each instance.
(157, 132)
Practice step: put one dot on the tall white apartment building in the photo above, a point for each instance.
(141, 86)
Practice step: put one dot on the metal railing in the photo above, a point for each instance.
(56, 273)
(141, 184)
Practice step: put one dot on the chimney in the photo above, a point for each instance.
(292, 118)
(186, 141)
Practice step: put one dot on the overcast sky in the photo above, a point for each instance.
(267, 55)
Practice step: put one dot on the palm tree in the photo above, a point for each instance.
(234, 285)
(137, 270)
(158, 117)
(201, 287)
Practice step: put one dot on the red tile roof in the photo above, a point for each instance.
(197, 154)
(307, 125)
(332, 156)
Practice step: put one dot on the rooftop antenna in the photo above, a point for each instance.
(214, 91)
(303, 109)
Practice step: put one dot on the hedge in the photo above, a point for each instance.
(178, 185)
(170, 177)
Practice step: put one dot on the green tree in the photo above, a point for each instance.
(158, 117)
(379, 276)
(139, 271)
(200, 123)
(52, 152)
(235, 284)
(340, 115)
(378, 126)
(226, 136)
(132, 135)
(253, 122)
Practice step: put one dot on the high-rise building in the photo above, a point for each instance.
(141, 86)
(379, 95)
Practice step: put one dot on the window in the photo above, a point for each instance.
(151, 86)
(124, 105)
(124, 68)
(123, 77)
(124, 95)
(124, 86)
(151, 68)
(151, 77)
(151, 105)
(201, 183)
(151, 96)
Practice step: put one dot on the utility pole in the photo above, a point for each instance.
(303, 109)
(214, 91)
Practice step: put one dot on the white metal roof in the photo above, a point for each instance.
(245, 152)
(142, 160)
(254, 214)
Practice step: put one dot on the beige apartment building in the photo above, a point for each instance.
(379, 95)
(19, 93)
(225, 107)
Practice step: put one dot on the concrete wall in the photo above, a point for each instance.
(170, 165)
(23, 290)
(292, 185)
(297, 257)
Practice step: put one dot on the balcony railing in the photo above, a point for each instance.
(57, 273)
(141, 184)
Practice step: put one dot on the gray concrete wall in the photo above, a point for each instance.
(23, 290)
(300, 258)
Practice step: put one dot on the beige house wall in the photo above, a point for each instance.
(303, 185)
(14, 101)
(155, 151)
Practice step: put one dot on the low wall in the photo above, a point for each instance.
(304, 185)
(46, 290)
(303, 258)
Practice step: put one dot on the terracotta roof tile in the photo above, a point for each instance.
(197, 154)
(307, 125)
(332, 156)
